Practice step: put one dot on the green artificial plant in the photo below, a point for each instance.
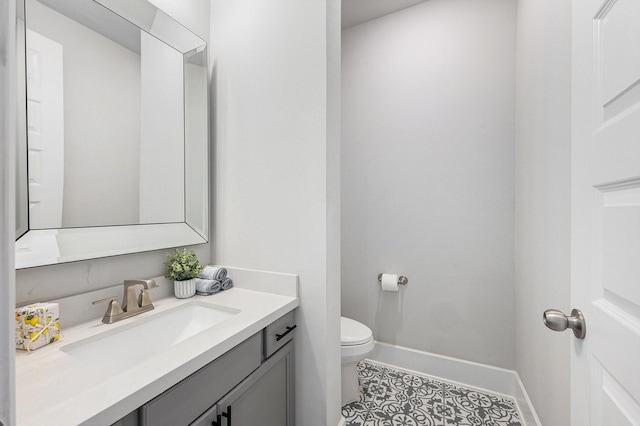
(183, 266)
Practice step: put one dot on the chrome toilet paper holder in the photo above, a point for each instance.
(402, 280)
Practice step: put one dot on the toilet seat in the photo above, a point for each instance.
(353, 333)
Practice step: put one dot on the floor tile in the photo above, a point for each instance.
(369, 370)
(473, 407)
(413, 387)
(354, 415)
(402, 414)
(393, 397)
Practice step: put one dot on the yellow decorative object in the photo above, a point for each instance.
(37, 325)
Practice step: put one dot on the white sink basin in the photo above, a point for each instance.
(122, 347)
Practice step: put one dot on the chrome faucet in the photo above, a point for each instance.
(131, 305)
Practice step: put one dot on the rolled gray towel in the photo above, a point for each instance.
(217, 273)
(207, 287)
(226, 284)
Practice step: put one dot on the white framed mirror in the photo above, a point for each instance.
(113, 131)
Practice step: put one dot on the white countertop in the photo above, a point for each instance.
(54, 388)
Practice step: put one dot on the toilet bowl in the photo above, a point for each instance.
(356, 342)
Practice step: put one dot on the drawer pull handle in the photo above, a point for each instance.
(217, 421)
(289, 330)
(227, 414)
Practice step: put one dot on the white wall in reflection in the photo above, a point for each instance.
(123, 128)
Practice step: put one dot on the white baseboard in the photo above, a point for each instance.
(467, 373)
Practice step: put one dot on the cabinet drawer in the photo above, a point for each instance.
(187, 400)
(278, 333)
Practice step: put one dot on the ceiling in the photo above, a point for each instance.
(356, 12)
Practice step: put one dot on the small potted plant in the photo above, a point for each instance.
(183, 267)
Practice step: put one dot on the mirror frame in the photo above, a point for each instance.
(40, 247)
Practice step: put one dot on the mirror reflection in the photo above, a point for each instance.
(113, 156)
(100, 104)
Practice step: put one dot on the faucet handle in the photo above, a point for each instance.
(113, 310)
(129, 303)
(144, 299)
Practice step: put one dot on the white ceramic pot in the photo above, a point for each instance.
(184, 289)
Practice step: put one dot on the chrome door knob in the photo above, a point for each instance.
(557, 321)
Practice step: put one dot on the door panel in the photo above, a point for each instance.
(45, 130)
(617, 406)
(606, 211)
(616, 26)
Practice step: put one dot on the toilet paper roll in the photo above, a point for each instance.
(389, 282)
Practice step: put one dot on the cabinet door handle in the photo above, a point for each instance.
(289, 330)
(217, 421)
(227, 415)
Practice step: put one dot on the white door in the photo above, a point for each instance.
(605, 380)
(45, 131)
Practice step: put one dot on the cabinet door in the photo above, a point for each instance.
(266, 397)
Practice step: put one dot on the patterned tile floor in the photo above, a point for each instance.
(392, 397)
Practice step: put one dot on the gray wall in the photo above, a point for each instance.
(276, 82)
(428, 177)
(543, 202)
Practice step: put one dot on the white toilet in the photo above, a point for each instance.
(356, 342)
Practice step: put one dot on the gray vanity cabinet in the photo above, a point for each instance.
(250, 385)
(264, 398)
